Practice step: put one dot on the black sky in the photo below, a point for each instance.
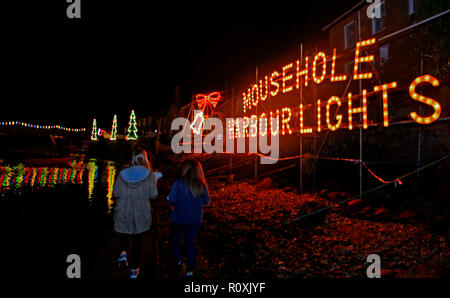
(125, 55)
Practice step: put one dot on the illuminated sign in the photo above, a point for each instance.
(295, 75)
(101, 132)
(196, 126)
(208, 102)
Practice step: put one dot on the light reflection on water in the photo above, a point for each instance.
(19, 177)
(92, 178)
(111, 178)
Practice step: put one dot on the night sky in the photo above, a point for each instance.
(125, 55)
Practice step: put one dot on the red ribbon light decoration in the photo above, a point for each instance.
(207, 102)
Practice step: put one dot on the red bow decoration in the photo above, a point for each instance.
(208, 102)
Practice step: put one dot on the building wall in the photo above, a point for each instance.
(402, 140)
(397, 17)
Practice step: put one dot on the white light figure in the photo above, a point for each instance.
(198, 121)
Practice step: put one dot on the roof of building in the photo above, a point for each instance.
(345, 14)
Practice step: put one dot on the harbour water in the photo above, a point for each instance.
(94, 177)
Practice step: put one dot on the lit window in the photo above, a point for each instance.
(412, 6)
(384, 53)
(349, 34)
(349, 67)
(378, 23)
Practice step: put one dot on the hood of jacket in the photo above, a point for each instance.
(135, 174)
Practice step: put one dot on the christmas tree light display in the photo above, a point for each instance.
(114, 129)
(94, 130)
(132, 128)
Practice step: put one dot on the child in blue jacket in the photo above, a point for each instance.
(187, 198)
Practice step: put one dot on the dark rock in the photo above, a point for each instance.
(318, 230)
(230, 178)
(381, 211)
(343, 194)
(333, 195)
(323, 192)
(266, 183)
(365, 210)
(354, 202)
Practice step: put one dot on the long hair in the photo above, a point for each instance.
(140, 158)
(193, 174)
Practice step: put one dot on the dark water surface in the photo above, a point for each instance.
(47, 213)
(94, 179)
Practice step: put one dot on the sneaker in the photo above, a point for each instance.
(123, 260)
(134, 273)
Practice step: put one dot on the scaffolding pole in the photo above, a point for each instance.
(300, 132)
(419, 141)
(256, 155)
(232, 116)
(314, 167)
(360, 128)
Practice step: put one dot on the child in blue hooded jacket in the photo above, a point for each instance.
(187, 198)
(134, 187)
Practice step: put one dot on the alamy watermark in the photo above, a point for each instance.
(374, 269)
(374, 9)
(73, 11)
(236, 129)
(74, 269)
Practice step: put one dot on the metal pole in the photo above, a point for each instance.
(256, 156)
(301, 135)
(315, 140)
(232, 116)
(419, 141)
(360, 119)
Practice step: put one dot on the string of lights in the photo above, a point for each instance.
(380, 179)
(367, 192)
(36, 126)
(310, 156)
(336, 158)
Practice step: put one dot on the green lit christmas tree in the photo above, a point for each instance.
(114, 129)
(94, 130)
(132, 128)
